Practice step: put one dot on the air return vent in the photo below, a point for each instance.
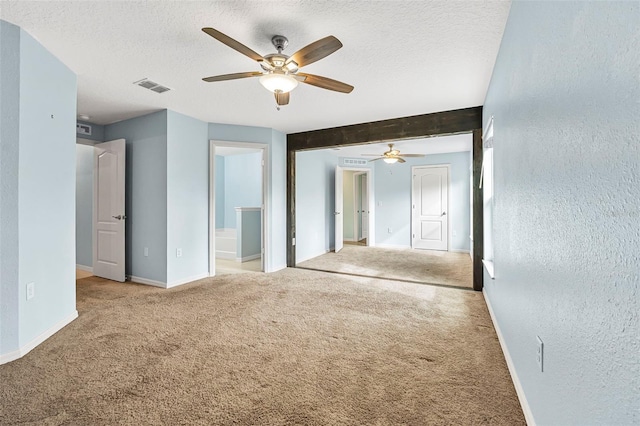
(354, 162)
(83, 129)
(151, 85)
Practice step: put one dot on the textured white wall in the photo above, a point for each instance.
(565, 95)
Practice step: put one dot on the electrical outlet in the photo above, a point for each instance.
(31, 291)
(146, 252)
(540, 353)
(179, 252)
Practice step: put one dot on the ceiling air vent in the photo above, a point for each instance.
(151, 85)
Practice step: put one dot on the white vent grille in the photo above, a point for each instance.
(83, 129)
(355, 161)
(151, 85)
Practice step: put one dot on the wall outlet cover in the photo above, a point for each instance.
(540, 353)
(31, 291)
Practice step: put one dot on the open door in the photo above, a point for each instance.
(108, 210)
(338, 213)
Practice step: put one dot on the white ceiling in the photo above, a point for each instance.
(403, 57)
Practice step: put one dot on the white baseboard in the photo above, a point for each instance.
(459, 251)
(187, 280)
(277, 268)
(146, 281)
(392, 246)
(304, 259)
(227, 255)
(84, 268)
(25, 349)
(528, 415)
(248, 258)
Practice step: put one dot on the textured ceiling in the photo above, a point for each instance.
(403, 57)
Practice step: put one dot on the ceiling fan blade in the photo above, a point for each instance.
(282, 98)
(370, 155)
(234, 44)
(401, 160)
(413, 155)
(315, 51)
(376, 159)
(326, 83)
(235, 76)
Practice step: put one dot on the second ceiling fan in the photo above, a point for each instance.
(392, 156)
(280, 72)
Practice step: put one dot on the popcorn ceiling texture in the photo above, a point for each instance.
(564, 97)
(403, 57)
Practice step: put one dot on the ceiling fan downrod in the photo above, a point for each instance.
(280, 42)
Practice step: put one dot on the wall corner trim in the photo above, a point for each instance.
(528, 415)
(23, 350)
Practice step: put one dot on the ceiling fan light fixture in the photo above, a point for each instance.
(278, 82)
(390, 160)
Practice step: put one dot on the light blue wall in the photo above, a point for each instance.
(187, 197)
(146, 193)
(242, 184)
(393, 199)
(248, 233)
(37, 179)
(97, 132)
(9, 171)
(219, 192)
(276, 183)
(315, 203)
(564, 96)
(84, 205)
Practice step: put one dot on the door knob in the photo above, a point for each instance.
(119, 217)
(336, 212)
(444, 213)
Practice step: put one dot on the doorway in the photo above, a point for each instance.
(361, 207)
(353, 215)
(237, 213)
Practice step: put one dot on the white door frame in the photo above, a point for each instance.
(371, 201)
(413, 201)
(212, 199)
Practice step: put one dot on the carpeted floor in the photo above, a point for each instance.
(292, 347)
(424, 266)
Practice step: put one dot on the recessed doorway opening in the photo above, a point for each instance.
(237, 207)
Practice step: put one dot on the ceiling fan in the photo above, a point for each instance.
(280, 73)
(392, 156)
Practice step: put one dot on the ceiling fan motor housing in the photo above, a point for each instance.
(280, 42)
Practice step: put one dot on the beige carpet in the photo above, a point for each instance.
(425, 266)
(293, 347)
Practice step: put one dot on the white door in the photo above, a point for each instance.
(338, 213)
(430, 220)
(364, 205)
(108, 210)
